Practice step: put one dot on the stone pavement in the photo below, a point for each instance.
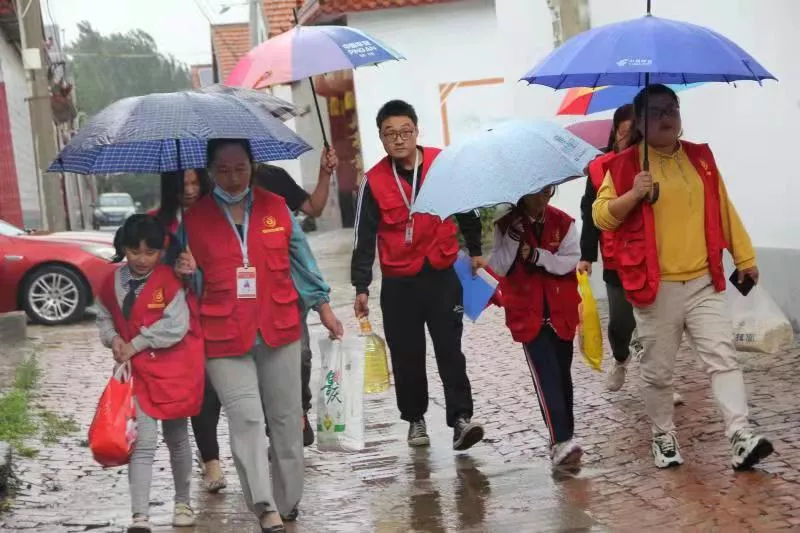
(500, 486)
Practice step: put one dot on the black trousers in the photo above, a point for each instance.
(432, 298)
(550, 361)
(621, 322)
(204, 425)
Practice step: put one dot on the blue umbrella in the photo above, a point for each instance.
(170, 131)
(626, 53)
(643, 51)
(501, 165)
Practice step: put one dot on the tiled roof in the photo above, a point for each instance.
(313, 9)
(200, 76)
(279, 15)
(230, 42)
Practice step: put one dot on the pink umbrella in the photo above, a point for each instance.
(594, 132)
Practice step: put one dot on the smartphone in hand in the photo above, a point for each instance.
(745, 286)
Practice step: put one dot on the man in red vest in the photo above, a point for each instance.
(419, 287)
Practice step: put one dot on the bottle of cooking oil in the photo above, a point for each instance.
(376, 364)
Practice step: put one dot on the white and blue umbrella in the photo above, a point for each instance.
(501, 165)
(170, 131)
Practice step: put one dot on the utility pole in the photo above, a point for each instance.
(256, 20)
(42, 124)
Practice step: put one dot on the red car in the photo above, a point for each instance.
(54, 277)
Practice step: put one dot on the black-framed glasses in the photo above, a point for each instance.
(657, 113)
(392, 136)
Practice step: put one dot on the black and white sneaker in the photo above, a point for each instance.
(666, 451)
(466, 434)
(418, 434)
(748, 449)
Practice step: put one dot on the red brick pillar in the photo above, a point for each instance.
(10, 206)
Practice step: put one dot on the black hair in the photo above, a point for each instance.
(622, 114)
(639, 102)
(138, 229)
(215, 144)
(396, 108)
(172, 189)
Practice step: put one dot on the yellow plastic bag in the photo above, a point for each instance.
(590, 335)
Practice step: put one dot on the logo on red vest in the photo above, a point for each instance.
(705, 166)
(157, 301)
(556, 242)
(271, 225)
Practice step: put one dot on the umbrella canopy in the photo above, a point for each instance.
(502, 165)
(594, 132)
(669, 51)
(277, 107)
(588, 100)
(306, 51)
(169, 131)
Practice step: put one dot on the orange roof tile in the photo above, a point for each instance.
(230, 42)
(197, 82)
(313, 9)
(279, 15)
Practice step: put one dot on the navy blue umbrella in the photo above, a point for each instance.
(170, 131)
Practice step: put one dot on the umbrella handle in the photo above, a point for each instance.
(653, 196)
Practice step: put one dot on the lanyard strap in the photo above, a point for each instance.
(245, 225)
(409, 204)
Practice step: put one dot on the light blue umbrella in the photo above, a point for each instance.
(501, 165)
(170, 131)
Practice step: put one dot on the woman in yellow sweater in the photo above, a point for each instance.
(671, 226)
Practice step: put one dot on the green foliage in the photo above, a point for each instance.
(487, 225)
(17, 421)
(107, 68)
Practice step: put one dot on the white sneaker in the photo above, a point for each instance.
(666, 451)
(748, 449)
(615, 378)
(140, 524)
(183, 516)
(677, 399)
(566, 454)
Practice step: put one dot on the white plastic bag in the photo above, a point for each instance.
(759, 325)
(340, 400)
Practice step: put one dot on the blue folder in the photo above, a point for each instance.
(478, 290)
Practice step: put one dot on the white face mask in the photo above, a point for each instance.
(229, 198)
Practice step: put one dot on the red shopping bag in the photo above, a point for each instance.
(113, 430)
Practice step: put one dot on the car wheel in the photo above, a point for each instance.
(54, 295)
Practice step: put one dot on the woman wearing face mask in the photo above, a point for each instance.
(535, 254)
(669, 258)
(256, 265)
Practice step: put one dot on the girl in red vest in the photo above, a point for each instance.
(143, 316)
(179, 191)
(535, 255)
(669, 255)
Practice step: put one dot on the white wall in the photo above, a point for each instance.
(443, 43)
(752, 129)
(19, 115)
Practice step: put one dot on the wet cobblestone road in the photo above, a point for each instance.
(502, 485)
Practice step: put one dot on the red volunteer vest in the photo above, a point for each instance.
(635, 240)
(168, 383)
(523, 293)
(434, 239)
(229, 323)
(596, 175)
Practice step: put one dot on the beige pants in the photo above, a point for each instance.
(696, 308)
(264, 381)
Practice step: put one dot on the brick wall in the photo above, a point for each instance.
(16, 91)
(10, 209)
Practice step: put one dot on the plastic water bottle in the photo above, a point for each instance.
(376, 364)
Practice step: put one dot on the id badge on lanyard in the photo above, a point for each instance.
(409, 237)
(245, 274)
